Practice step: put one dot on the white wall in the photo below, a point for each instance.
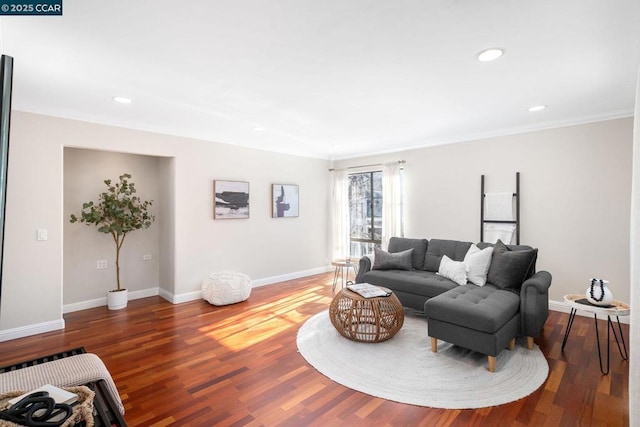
(266, 249)
(575, 196)
(84, 175)
(576, 186)
(166, 221)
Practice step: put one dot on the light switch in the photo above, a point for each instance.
(42, 234)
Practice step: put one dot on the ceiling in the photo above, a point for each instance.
(328, 78)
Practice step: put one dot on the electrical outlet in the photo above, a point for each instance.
(146, 257)
(102, 264)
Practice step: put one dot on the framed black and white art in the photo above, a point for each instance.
(231, 199)
(285, 199)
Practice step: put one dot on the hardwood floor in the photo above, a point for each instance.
(195, 364)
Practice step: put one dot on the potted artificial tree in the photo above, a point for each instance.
(118, 212)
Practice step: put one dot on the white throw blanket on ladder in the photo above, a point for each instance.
(498, 207)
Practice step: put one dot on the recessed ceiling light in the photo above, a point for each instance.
(122, 99)
(490, 54)
(258, 129)
(537, 108)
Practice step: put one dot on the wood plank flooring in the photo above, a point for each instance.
(195, 364)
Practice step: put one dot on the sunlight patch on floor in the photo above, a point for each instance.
(261, 322)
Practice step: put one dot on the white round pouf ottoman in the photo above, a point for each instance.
(226, 287)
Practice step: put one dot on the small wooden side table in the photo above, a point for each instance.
(342, 271)
(617, 308)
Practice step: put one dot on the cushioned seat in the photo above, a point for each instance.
(70, 371)
(485, 308)
(226, 287)
(415, 282)
(484, 319)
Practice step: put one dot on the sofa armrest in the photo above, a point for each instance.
(364, 265)
(534, 303)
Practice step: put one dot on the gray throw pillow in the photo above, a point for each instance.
(399, 244)
(396, 261)
(454, 249)
(510, 268)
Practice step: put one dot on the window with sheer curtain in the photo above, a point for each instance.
(365, 212)
(375, 209)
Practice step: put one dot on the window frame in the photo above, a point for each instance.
(371, 239)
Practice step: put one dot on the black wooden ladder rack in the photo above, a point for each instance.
(488, 221)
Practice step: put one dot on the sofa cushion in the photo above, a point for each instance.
(453, 270)
(532, 270)
(510, 268)
(424, 283)
(419, 246)
(397, 261)
(485, 308)
(478, 262)
(454, 249)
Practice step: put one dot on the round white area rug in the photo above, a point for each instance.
(405, 370)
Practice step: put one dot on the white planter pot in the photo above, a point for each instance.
(117, 300)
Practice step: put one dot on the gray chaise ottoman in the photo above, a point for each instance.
(484, 319)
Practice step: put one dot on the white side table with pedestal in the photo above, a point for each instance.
(617, 308)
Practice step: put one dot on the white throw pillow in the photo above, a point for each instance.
(478, 262)
(453, 270)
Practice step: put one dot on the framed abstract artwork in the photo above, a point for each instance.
(231, 199)
(285, 199)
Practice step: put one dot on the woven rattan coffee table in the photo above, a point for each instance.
(366, 319)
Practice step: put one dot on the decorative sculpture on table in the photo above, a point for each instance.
(599, 293)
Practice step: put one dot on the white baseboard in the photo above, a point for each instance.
(143, 293)
(99, 302)
(290, 276)
(83, 305)
(180, 298)
(25, 331)
(196, 295)
(564, 308)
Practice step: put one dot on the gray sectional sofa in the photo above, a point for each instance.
(482, 318)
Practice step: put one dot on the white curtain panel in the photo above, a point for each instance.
(634, 326)
(340, 214)
(391, 202)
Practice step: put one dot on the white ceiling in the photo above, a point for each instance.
(328, 78)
